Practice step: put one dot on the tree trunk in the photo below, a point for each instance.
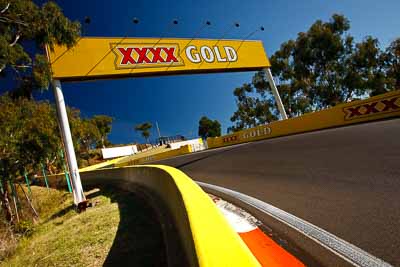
(102, 142)
(5, 202)
(48, 165)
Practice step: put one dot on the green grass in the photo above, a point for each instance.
(107, 232)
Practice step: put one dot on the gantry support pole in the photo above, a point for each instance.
(79, 196)
(274, 89)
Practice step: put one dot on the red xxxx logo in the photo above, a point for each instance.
(229, 139)
(377, 107)
(142, 56)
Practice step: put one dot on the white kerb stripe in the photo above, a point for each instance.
(239, 223)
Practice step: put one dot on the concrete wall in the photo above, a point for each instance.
(114, 152)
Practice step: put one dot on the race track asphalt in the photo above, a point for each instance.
(344, 180)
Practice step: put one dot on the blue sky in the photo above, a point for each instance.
(177, 102)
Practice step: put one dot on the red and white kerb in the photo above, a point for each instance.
(266, 251)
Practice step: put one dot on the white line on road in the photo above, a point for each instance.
(340, 247)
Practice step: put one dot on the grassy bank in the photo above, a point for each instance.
(117, 228)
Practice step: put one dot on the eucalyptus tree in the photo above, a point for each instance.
(144, 129)
(319, 69)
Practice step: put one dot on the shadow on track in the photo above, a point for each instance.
(206, 156)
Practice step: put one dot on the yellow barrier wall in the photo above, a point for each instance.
(378, 107)
(168, 154)
(208, 238)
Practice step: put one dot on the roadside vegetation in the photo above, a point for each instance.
(30, 142)
(62, 237)
(46, 202)
(209, 128)
(106, 234)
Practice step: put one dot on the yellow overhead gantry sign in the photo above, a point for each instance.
(97, 58)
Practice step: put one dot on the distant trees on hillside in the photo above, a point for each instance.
(321, 68)
(144, 129)
(103, 124)
(209, 128)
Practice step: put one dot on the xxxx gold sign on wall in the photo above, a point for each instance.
(94, 58)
